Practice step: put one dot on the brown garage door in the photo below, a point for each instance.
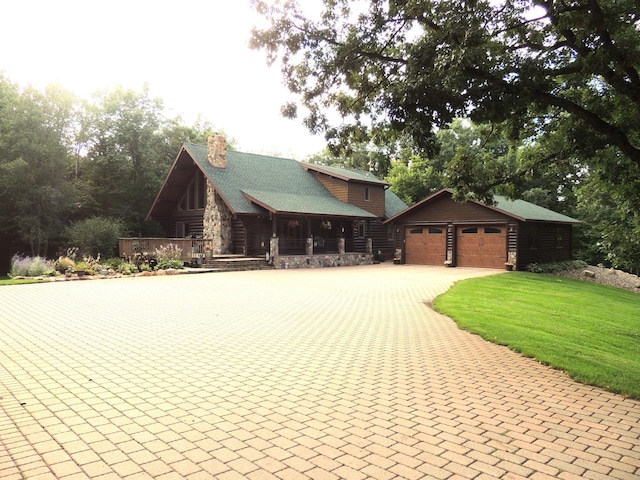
(481, 246)
(425, 245)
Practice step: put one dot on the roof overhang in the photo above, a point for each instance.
(343, 176)
(496, 208)
(291, 204)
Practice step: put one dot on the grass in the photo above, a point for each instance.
(590, 331)
(4, 280)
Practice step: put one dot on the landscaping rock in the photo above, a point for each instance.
(603, 275)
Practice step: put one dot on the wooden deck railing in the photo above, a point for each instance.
(192, 248)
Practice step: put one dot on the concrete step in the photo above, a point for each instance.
(235, 264)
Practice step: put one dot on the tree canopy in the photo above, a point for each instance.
(560, 76)
(64, 160)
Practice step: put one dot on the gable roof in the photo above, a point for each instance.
(346, 174)
(517, 209)
(279, 185)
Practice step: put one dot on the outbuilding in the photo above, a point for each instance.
(511, 233)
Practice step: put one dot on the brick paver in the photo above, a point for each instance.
(342, 373)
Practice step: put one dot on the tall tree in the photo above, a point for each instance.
(563, 74)
(365, 157)
(123, 131)
(36, 134)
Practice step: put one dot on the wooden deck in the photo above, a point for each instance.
(192, 248)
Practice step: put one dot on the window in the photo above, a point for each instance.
(361, 230)
(492, 230)
(559, 238)
(416, 231)
(470, 230)
(195, 197)
(435, 231)
(533, 238)
(202, 191)
(181, 230)
(366, 194)
(390, 232)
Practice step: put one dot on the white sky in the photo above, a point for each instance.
(193, 54)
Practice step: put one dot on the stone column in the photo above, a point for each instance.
(217, 223)
(309, 246)
(341, 246)
(369, 245)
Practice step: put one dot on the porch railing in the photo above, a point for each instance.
(192, 248)
(292, 246)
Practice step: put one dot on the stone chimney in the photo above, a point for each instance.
(217, 151)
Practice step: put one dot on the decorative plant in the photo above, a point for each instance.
(24, 266)
(168, 252)
(82, 267)
(169, 256)
(166, 264)
(127, 268)
(64, 263)
(94, 264)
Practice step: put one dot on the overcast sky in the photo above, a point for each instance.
(193, 54)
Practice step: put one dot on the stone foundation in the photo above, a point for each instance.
(217, 223)
(320, 261)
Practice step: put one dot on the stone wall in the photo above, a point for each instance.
(319, 261)
(217, 223)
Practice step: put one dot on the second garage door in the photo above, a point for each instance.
(481, 246)
(425, 245)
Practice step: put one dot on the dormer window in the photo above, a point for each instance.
(366, 193)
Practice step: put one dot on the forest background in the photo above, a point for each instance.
(68, 165)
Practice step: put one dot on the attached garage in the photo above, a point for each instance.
(426, 245)
(481, 246)
(441, 231)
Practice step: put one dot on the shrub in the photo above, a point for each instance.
(82, 267)
(64, 263)
(144, 267)
(555, 267)
(127, 268)
(166, 264)
(24, 266)
(95, 236)
(113, 262)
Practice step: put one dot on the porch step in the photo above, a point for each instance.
(223, 263)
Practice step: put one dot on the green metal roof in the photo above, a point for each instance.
(278, 184)
(530, 212)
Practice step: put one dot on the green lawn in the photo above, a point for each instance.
(4, 280)
(590, 331)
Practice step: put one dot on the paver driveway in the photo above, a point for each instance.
(325, 374)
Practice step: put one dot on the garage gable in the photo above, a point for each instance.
(439, 230)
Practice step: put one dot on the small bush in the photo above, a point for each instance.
(82, 267)
(127, 268)
(95, 236)
(166, 264)
(64, 263)
(24, 266)
(114, 262)
(555, 267)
